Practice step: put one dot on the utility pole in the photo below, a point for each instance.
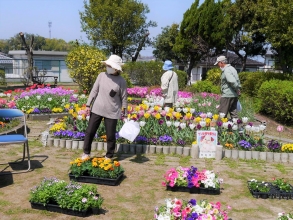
(50, 25)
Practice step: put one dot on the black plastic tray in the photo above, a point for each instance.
(97, 180)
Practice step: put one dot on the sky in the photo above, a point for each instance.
(33, 17)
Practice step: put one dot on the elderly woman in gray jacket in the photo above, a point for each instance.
(106, 100)
(169, 84)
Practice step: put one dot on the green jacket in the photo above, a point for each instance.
(230, 83)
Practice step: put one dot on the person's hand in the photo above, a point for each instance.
(239, 93)
(88, 110)
(123, 114)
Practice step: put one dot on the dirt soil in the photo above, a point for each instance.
(141, 191)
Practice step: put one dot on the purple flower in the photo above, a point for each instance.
(245, 144)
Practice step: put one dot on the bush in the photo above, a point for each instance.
(275, 99)
(252, 81)
(205, 86)
(214, 76)
(2, 77)
(150, 73)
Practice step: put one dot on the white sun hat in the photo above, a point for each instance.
(115, 62)
(220, 59)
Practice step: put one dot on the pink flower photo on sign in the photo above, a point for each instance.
(207, 143)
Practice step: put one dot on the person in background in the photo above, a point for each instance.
(169, 84)
(106, 100)
(230, 88)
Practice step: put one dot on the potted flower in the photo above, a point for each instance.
(190, 179)
(71, 198)
(259, 189)
(192, 209)
(284, 216)
(96, 170)
(283, 185)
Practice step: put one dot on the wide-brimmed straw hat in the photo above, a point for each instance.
(115, 62)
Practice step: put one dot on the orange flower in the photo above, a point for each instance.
(116, 164)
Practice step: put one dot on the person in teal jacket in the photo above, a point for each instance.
(230, 88)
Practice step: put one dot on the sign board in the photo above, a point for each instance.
(207, 142)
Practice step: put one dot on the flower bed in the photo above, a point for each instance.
(96, 170)
(180, 209)
(279, 189)
(68, 198)
(189, 179)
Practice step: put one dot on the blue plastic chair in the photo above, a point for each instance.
(16, 138)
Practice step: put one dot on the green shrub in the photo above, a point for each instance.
(205, 86)
(2, 77)
(214, 76)
(252, 81)
(127, 79)
(150, 73)
(276, 100)
(182, 79)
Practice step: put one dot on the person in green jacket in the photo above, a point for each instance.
(230, 88)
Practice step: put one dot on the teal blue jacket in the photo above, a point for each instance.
(230, 83)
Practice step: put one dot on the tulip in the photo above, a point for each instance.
(280, 128)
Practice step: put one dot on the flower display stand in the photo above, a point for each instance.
(194, 190)
(56, 208)
(97, 180)
(255, 155)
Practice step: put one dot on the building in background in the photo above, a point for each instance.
(52, 63)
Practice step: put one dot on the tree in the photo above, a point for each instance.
(277, 26)
(57, 45)
(29, 53)
(116, 26)
(247, 40)
(201, 34)
(164, 43)
(84, 63)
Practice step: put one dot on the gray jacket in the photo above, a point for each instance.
(108, 96)
(230, 83)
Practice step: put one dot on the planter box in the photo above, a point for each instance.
(97, 180)
(194, 190)
(56, 208)
(274, 193)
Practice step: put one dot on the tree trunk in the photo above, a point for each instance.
(190, 67)
(29, 52)
(139, 48)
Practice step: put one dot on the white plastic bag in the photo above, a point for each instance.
(239, 107)
(130, 130)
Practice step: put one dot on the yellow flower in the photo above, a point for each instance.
(156, 108)
(177, 115)
(29, 111)
(197, 119)
(194, 142)
(215, 117)
(188, 115)
(158, 116)
(146, 115)
(224, 120)
(208, 120)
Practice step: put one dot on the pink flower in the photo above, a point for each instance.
(280, 128)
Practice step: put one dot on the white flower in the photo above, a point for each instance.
(88, 118)
(235, 120)
(75, 96)
(192, 110)
(183, 125)
(262, 127)
(26, 97)
(82, 96)
(248, 128)
(79, 117)
(191, 126)
(222, 115)
(38, 97)
(176, 123)
(235, 127)
(178, 109)
(167, 109)
(142, 123)
(49, 99)
(169, 123)
(8, 94)
(185, 110)
(63, 100)
(209, 114)
(244, 119)
(202, 123)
